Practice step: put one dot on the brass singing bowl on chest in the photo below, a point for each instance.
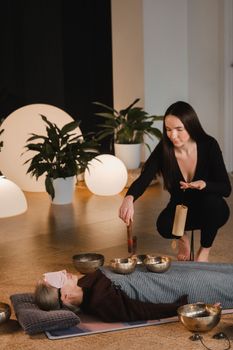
(199, 317)
(157, 264)
(88, 262)
(123, 265)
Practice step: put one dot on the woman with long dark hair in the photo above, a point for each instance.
(193, 170)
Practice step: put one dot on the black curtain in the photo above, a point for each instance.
(57, 52)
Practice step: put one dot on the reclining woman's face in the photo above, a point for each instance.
(67, 285)
(57, 288)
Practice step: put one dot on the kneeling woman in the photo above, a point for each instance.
(139, 296)
(193, 170)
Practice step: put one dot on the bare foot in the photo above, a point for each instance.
(203, 254)
(184, 249)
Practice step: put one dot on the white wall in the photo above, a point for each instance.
(182, 57)
(204, 78)
(165, 56)
(165, 53)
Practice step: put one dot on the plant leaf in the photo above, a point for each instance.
(69, 127)
(105, 106)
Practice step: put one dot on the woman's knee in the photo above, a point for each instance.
(215, 209)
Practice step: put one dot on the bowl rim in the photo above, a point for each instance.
(98, 257)
(130, 264)
(166, 258)
(206, 305)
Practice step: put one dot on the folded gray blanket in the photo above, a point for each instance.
(204, 282)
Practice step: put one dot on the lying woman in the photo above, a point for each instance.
(141, 295)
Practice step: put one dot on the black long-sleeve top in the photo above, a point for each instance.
(103, 299)
(210, 168)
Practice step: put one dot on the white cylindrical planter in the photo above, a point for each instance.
(130, 154)
(64, 190)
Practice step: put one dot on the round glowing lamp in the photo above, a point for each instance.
(12, 199)
(17, 129)
(106, 175)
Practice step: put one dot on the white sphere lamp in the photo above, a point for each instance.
(12, 199)
(106, 175)
(17, 129)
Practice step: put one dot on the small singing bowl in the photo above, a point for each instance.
(5, 312)
(123, 265)
(88, 262)
(157, 264)
(199, 317)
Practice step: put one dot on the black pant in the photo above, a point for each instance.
(207, 213)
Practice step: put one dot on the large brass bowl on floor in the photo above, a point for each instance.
(88, 262)
(5, 312)
(123, 265)
(157, 264)
(199, 317)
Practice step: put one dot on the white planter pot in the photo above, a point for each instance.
(64, 190)
(130, 154)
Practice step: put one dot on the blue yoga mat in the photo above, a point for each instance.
(90, 325)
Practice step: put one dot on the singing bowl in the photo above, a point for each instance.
(199, 317)
(123, 265)
(139, 258)
(5, 312)
(157, 264)
(88, 262)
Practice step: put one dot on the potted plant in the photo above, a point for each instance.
(61, 155)
(128, 127)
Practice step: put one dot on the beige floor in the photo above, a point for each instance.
(46, 237)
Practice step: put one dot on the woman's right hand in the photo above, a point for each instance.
(126, 210)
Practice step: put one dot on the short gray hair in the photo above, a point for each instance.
(46, 297)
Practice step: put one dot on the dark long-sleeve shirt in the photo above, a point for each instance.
(103, 299)
(210, 168)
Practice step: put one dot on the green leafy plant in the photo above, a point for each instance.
(61, 153)
(129, 125)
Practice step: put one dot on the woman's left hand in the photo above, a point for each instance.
(197, 185)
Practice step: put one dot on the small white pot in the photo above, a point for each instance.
(130, 154)
(64, 190)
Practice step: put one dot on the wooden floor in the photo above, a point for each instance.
(47, 236)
